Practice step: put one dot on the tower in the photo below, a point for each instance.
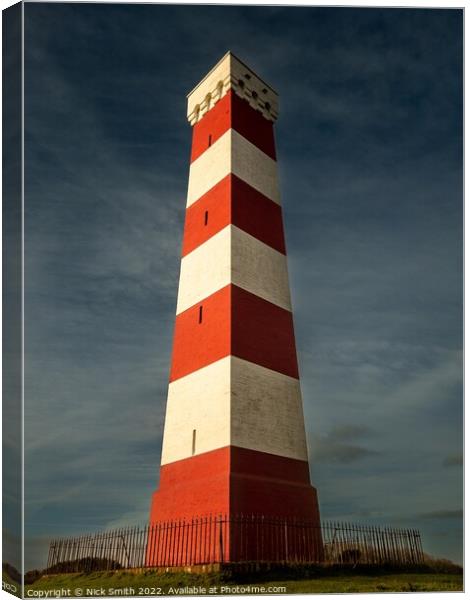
(234, 438)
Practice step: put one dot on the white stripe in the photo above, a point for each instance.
(205, 270)
(209, 168)
(200, 401)
(232, 153)
(255, 167)
(233, 256)
(259, 269)
(266, 411)
(234, 402)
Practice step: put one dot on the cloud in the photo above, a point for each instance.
(341, 453)
(442, 514)
(349, 432)
(334, 446)
(453, 460)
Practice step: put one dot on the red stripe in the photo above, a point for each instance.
(263, 333)
(277, 486)
(194, 486)
(253, 126)
(271, 466)
(234, 480)
(198, 344)
(233, 112)
(214, 123)
(236, 322)
(233, 201)
(257, 215)
(217, 204)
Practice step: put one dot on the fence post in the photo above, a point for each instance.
(420, 547)
(286, 542)
(221, 540)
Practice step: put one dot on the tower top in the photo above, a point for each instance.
(230, 73)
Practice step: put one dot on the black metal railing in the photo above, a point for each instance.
(228, 539)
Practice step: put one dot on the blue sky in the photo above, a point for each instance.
(370, 157)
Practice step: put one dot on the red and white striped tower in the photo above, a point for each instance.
(234, 438)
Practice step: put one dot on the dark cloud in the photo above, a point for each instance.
(340, 453)
(442, 514)
(453, 460)
(335, 447)
(369, 144)
(349, 432)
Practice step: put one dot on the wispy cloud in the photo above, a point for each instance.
(453, 460)
(442, 514)
(336, 446)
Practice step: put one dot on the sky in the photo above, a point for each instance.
(369, 143)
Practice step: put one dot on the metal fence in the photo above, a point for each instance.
(225, 539)
(346, 543)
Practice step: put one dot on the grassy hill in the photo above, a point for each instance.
(150, 583)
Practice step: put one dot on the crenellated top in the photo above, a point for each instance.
(231, 74)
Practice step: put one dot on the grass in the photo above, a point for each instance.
(149, 583)
(402, 582)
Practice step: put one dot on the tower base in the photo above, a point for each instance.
(234, 505)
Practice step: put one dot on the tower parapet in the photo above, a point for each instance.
(230, 73)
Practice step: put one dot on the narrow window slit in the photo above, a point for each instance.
(194, 442)
(206, 217)
(210, 140)
(200, 314)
